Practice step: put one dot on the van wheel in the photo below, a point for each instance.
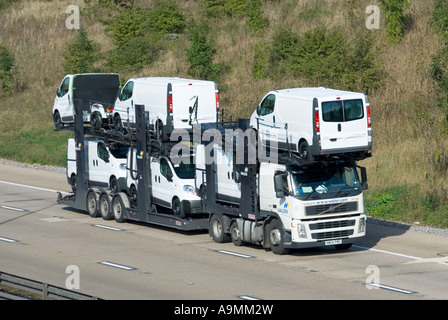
(113, 184)
(95, 121)
(276, 237)
(91, 204)
(133, 196)
(104, 205)
(177, 209)
(57, 120)
(118, 209)
(73, 183)
(305, 151)
(217, 229)
(160, 131)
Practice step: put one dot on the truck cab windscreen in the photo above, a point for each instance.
(325, 182)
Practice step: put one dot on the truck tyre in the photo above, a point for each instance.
(91, 204)
(235, 234)
(217, 229)
(104, 205)
(276, 237)
(118, 209)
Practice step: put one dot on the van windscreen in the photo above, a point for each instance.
(342, 110)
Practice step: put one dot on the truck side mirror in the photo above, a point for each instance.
(279, 185)
(364, 184)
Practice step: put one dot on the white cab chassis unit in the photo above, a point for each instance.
(315, 122)
(282, 205)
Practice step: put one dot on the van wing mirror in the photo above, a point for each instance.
(58, 92)
(120, 95)
(259, 109)
(169, 176)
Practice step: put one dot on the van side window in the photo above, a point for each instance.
(165, 169)
(64, 86)
(267, 105)
(127, 91)
(102, 151)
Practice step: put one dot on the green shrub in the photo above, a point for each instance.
(80, 54)
(325, 58)
(395, 18)
(200, 55)
(6, 71)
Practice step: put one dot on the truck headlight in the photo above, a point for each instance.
(301, 230)
(362, 225)
(190, 189)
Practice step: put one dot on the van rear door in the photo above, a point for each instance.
(193, 102)
(343, 124)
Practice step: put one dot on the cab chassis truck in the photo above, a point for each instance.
(288, 222)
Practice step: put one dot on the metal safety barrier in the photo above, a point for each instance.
(37, 289)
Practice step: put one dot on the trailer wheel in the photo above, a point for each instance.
(276, 238)
(91, 204)
(217, 229)
(104, 205)
(235, 234)
(118, 209)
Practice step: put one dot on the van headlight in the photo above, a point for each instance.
(301, 230)
(190, 189)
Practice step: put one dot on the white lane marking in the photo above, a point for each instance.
(248, 298)
(116, 265)
(13, 208)
(235, 254)
(107, 227)
(382, 286)
(53, 219)
(31, 187)
(419, 260)
(8, 240)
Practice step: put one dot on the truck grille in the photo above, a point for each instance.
(331, 208)
(332, 234)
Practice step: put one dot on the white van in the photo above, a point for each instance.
(315, 121)
(106, 164)
(172, 185)
(97, 91)
(172, 103)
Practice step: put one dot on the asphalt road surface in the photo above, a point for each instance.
(42, 240)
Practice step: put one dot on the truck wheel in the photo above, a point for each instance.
(217, 229)
(104, 205)
(235, 234)
(177, 209)
(91, 204)
(118, 209)
(276, 238)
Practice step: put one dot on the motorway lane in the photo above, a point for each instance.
(169, 264)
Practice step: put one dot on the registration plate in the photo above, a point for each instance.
(333, 242)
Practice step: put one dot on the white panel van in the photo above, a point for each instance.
(172, 103)
(106, 165)
(315, 122)
(172, 185)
